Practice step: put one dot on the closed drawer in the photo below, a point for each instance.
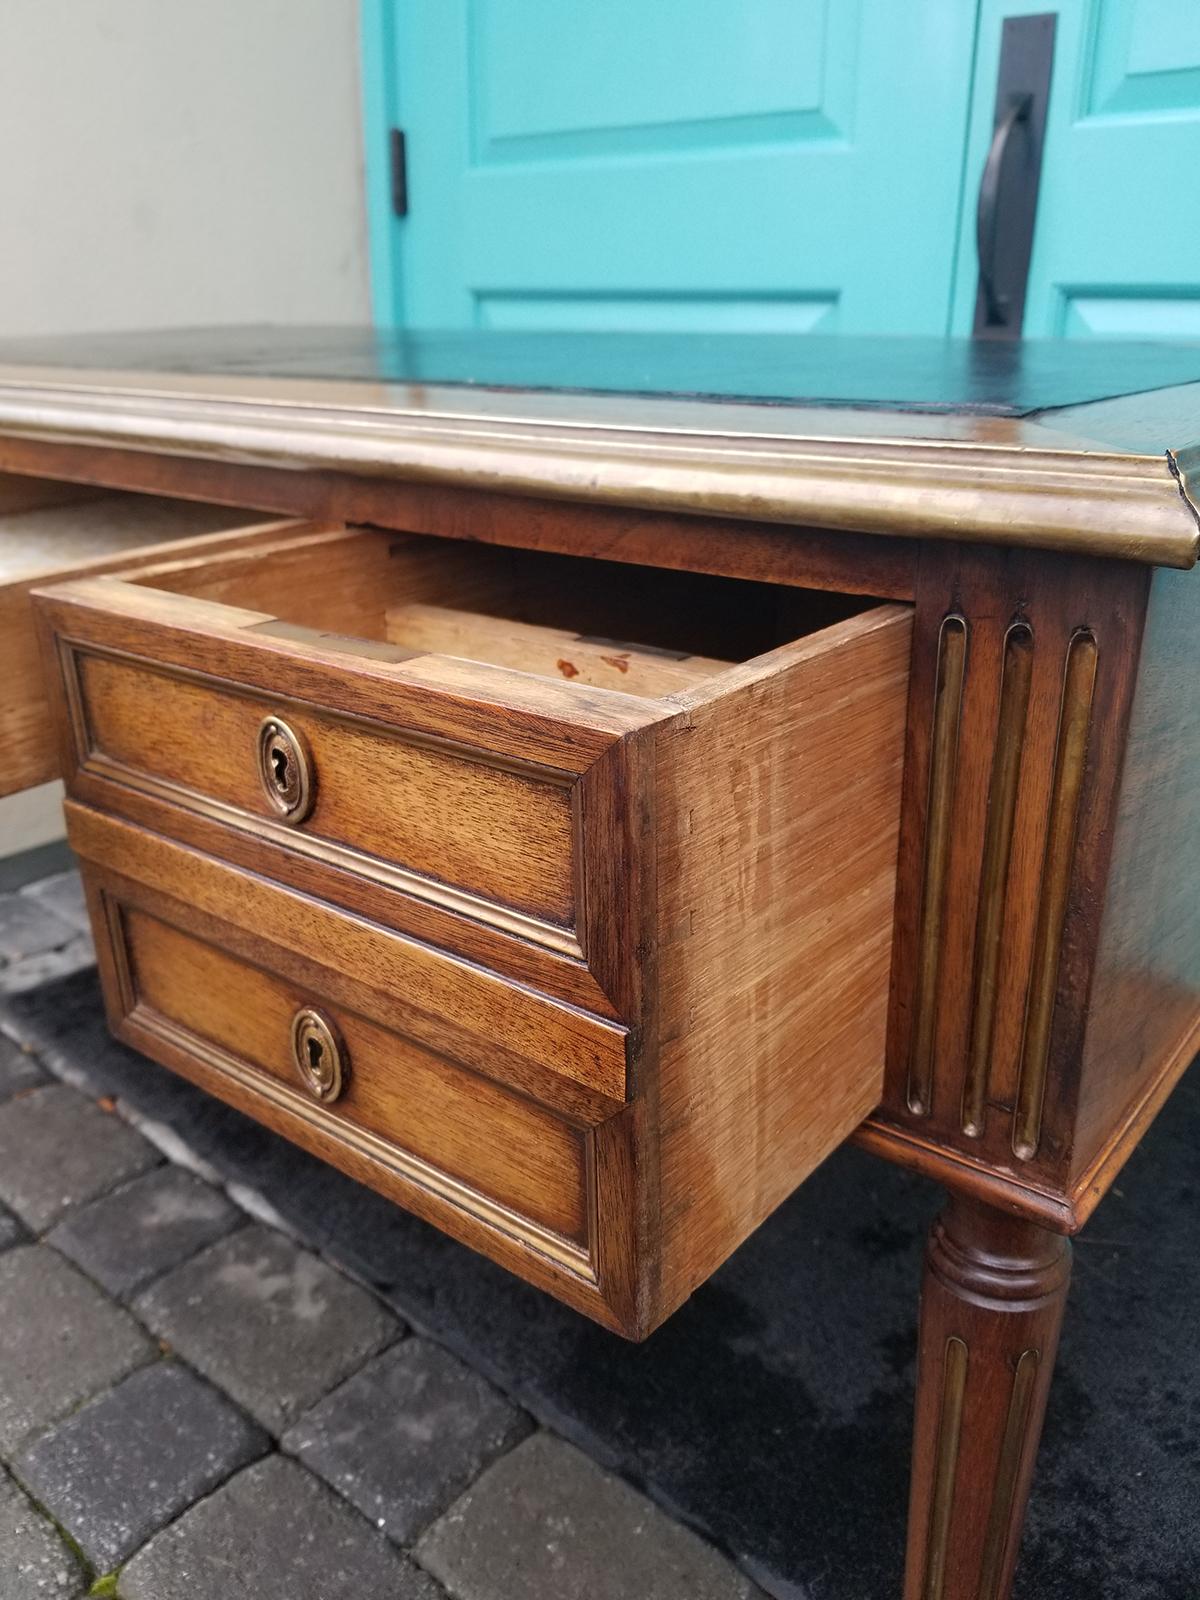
(289, 1042)
(662, 808)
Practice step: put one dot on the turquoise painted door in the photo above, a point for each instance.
(1117, 244)
(670, 164)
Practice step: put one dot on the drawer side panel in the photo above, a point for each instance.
(779, 808)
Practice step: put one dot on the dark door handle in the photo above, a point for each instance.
(987, 212)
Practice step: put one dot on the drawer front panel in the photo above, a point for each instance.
(418, 816)
(477, 808)
(423, 1114)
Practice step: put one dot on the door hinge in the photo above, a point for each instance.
(399, 160)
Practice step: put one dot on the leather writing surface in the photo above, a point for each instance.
(985, 377)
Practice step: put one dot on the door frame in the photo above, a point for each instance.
(377, 54)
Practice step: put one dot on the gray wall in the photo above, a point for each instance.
(172, 162)
(179, 161)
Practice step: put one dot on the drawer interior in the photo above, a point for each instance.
(643, 631)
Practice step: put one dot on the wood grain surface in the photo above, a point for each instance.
(64, 534)
(778, 806)
(641, 905)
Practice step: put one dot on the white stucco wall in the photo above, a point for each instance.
(179, 161)
(174, 162)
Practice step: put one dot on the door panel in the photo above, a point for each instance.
(779, 164)
(1117, 245)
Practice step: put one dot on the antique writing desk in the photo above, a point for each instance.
(626, 768)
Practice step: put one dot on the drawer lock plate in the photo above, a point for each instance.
(319, 1054)
(285, 770)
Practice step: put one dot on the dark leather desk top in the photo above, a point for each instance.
(977, 377)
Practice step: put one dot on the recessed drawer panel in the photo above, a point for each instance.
(473, 1156)
(415, 814)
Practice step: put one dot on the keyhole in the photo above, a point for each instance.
(283, 770)
(318, 1054)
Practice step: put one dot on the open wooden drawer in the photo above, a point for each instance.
(660, 804)
(55, 531)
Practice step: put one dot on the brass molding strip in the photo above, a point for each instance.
(943, 772)
(1012, 1447)
(1070, 758)
(765, 463)
(954, 1389)
(1017, 675)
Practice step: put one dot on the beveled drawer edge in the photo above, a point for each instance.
(568, 1257)
(447, 897)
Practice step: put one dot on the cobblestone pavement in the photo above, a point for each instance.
(195, 1402)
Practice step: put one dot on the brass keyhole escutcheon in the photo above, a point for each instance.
(319, 1055)
(285, 770)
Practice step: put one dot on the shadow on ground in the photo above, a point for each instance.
(773, 1411)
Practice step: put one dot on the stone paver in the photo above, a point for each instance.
(273, 1533)
(63, 1023)
(10, 1229)
(28, 928)
(145, 1228)
(546, 1521)
(35, 1564)
(269, 1323)
(18, 1070)
(63, 895)
(406, 1435)
(58, 1149)
(124, 1466)
(63, 1341)
(33, 971)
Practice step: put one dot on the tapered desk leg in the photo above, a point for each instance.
(991, 1309)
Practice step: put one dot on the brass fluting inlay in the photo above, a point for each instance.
(954, 1389)
(1012, 1447)
(1070, 759)
(943, 766)
(997, 851)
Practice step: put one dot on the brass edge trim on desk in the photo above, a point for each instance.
(1099, 503)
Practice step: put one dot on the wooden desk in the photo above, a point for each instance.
(596, 801)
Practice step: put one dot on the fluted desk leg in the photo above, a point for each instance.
(991, 1309)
